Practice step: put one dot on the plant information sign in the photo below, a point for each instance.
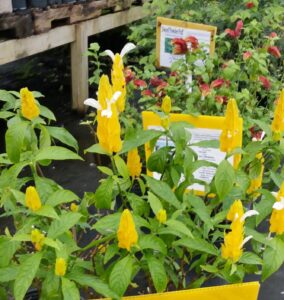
(168, 29)
(206, 128)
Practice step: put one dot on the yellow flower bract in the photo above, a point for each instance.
(256, 183)
(108, 130)
(37, 239)
(134, 164)
(278, 121)
(167, 105)
(277, 216)
(60, 267)
(162, 216)
(32, 199)
(233, 240)
(29, 108)
(74, 207)
(229, 137)
(126, 234)
(118, 81)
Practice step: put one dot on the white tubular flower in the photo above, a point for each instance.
(249, 213)
(108, 111)
(246, 240)
(93, 103)
(279, 205)
(127, 48)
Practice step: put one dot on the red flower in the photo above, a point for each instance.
(236, 33)
(247, 55)
(217, 83)
(265, 82)
(273, 35)
(128, 74)
(173, 73)
(162, 86)
(249, 5)
(205, 89)
(156, 81)
(179, 46)
(147, 93)
(140, 83)
(193, 41)
(273, 50)
(256, 134)
(221, 99)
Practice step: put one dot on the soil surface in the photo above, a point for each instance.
(49, 73)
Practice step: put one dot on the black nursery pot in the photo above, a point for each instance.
(53, 2)
(68, 1)
(38, 3)
(19, 4)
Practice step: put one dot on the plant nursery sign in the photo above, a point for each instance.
(169, 29)
(205, 128)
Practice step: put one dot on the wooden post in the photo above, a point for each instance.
(79, 68)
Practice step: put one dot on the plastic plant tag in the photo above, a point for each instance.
(206, 128)
(242, 291)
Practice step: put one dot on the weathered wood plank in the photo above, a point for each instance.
(12, 50)
(6, 6)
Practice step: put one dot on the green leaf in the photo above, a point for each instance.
(138, 204)
(26, 274)
(158, 159)
(224, 179)
(14, 139)
(150, 241)
(138, 138)
(273, 257)
(61, 196)
(103, 194)
(66, 221)
(207, 144)
(180, 227)
(105, 170)
(44, 138)
(264, 206)
(6, 114)
(51, 243)
(155, 203)
(47, 113)
(9, 273)
(197, 244)
(69, 290)
(97, 148)
(250, 258)
(121, 166)
(111, 251)
(158, 273)
(95, 283)
(264, 126)
(56, 153)
(7, 251)
(162, 190)
(107, 225)
(47, 211)
(120, 276)
(200, 209)
(64, 136)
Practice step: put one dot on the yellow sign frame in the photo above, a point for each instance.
(184, 25)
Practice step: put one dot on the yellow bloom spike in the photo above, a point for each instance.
(256, 183)
(277, 216)
(74, 207)
(236, 211)
(126, 234)
(134, 164)
(167, 105)
(108, 130)
(118, 81)
(278, 121)
(37, 239)
(233, 242)
(162, 216)
(230, 133)
(32, 199)
(29, 108)
(60, 267)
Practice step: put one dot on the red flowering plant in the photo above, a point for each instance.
(247, 63)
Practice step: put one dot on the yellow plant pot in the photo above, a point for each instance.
(242, 291)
